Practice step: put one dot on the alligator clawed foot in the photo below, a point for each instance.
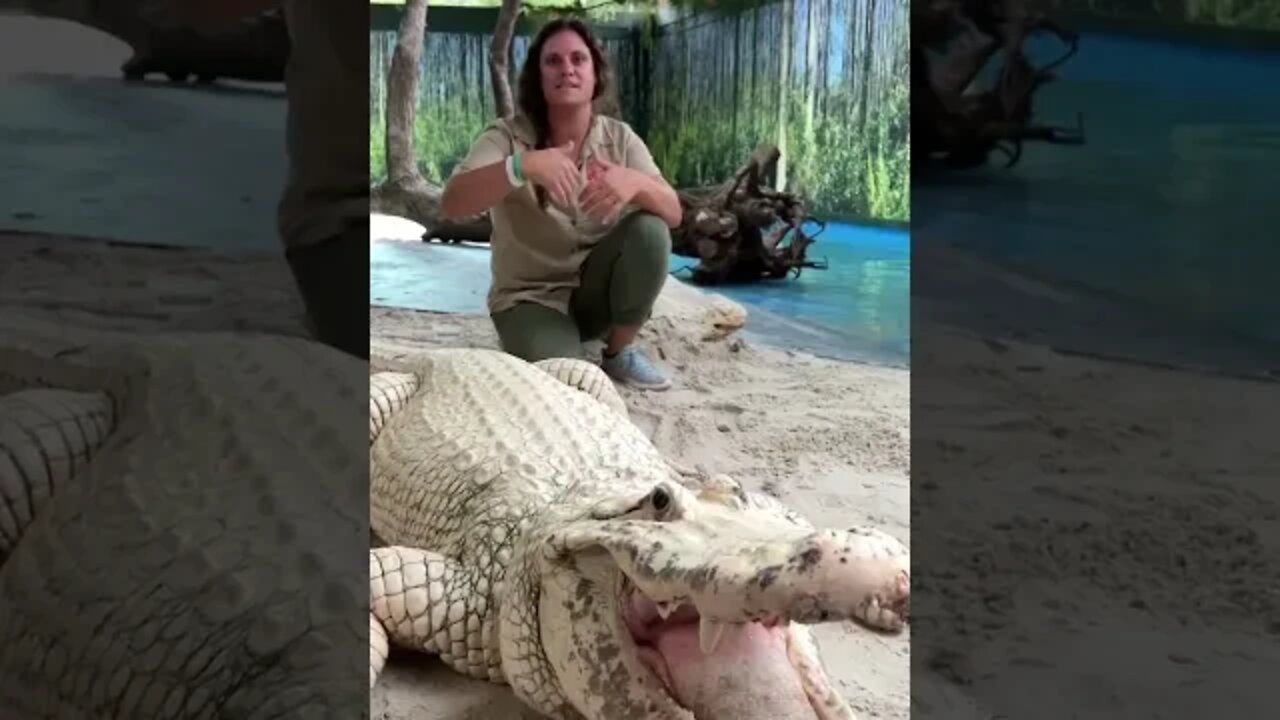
(888, 611)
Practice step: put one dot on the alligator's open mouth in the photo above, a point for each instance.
(714, 669)
(711, 608)
(662, 629)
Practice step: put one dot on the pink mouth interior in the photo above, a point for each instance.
(751, 659)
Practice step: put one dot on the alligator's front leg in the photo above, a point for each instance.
(586, 377)
(424, 601)
(46, 436)
(145, 588)
(388, 393)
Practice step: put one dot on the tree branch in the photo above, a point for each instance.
(499, 53)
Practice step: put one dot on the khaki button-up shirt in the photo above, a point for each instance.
(538, 254)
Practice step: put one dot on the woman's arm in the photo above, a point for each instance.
(659, 198)
(475, 191)
(612, 186)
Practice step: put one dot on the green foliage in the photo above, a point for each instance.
(722, 95)
(377, 152)
(846, 171)
(443, 136)
(715, 95)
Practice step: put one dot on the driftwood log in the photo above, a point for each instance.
(737, 230)
(475, 229)
(254, 48)
(952, 43)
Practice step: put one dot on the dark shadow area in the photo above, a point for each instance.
(1095, 523)
(183, 468)
(94, 155)
(1152, 228)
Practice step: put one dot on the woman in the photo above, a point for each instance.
(582, 217)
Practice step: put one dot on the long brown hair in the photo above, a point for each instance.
(530, 98)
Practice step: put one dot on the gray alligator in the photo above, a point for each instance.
(182, 526)
(535, 537)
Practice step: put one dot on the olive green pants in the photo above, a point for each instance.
(323, 213)
(620, 281)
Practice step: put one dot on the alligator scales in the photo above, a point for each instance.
(535, 537)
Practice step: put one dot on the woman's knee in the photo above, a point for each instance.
(648, 240)
(642, 271)
(532, 333)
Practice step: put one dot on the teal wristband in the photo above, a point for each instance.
(513, 173)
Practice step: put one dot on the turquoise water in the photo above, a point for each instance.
(1171, 206)
(429, 276)
(856, 309)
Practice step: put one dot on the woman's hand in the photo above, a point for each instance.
(554, 169)
(609, 188)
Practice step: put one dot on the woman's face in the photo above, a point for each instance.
(568, 76)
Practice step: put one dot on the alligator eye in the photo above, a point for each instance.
(660, 499)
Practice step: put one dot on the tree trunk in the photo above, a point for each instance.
(406, 193)
(402, 92)
(864, 101)
(736, 74)
(499, 54)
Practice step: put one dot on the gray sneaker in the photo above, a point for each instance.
(632, 367)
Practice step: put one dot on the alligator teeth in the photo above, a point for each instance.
(665, 609)
(709, 634)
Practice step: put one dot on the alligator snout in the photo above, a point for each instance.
(860, 574)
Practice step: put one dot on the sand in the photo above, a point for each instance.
(1112, 526)
(1094, 530)
(1084, 527)
(829, 438)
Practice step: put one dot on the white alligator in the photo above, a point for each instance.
(535, 537)
(182, 526)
